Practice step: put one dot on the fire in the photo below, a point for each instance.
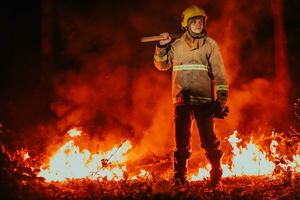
(285, 163)
(70, 162)
(74, 132)
(26, 156)
(142, 175)
(250, 161)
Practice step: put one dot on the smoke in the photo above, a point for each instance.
(258, 90)
(115, 92)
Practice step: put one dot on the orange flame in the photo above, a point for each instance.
(142, 175)
(71, 162)
(74, 132)
(26, 156)
(250, 161)
(286, 164)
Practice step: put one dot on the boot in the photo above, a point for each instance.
(180, 169)
(215, 176)
(216, 170)
(180, 183)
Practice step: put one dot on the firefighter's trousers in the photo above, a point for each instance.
(183, 116)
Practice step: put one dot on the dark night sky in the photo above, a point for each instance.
(24, 83)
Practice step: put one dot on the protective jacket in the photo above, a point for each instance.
(199, 74)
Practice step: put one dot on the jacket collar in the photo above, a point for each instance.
(195, 43)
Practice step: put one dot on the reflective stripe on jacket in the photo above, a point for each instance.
(197, 64)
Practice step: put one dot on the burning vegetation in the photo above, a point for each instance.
(74, 172)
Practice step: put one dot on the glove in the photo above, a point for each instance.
(222, 97)
(219, 110)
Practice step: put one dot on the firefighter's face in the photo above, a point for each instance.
(197, 24)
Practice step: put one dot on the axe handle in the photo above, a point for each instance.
(159, 37)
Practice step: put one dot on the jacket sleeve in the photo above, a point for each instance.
(219, 73)
(163, 57)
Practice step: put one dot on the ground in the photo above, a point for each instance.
(16, 186)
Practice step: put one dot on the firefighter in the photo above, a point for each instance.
(199, 90)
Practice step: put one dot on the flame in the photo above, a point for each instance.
(250, 161)
(70, 162)
(283, 162)
(74, 132)
(144, 174)
(26, 156)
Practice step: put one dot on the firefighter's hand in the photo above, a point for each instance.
(225, 112)
(167, 39)
(220, 111)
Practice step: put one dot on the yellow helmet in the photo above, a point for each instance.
(192, 11)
